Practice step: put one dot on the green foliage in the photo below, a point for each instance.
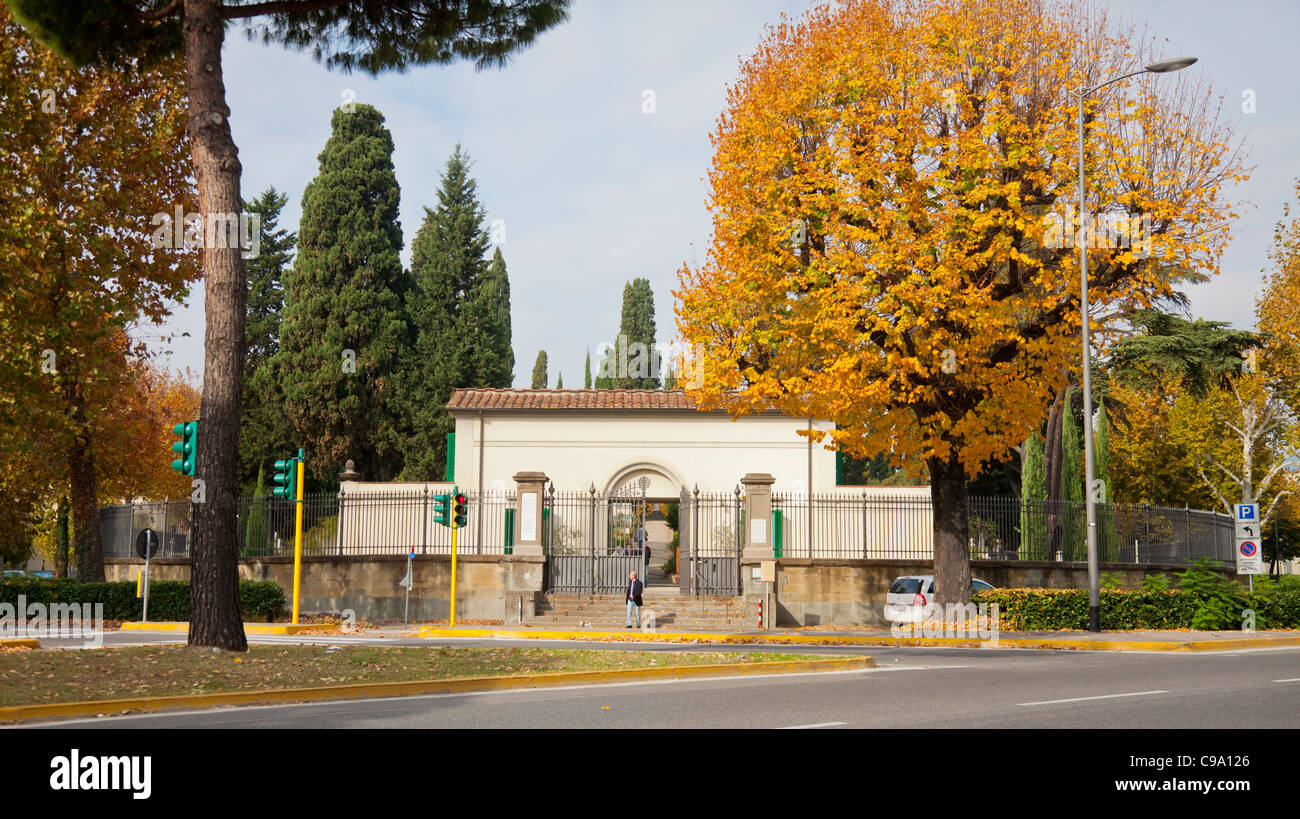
(343, 325)
(1200, 354)
(1155, 582)
(1111, 580)
(264, 433)
(1073, 542)
(670, 565)
(1219, 601)
(458, 310)
(586, 379)
(258, 529)
(634, 348)
(168, 599)
(1134, 609)
(1033, 490)
(539, 371)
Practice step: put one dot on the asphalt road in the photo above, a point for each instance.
(912, 688)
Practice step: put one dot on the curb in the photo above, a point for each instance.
(402, 689)
(855, 640)
(20, 642)
(249, 628)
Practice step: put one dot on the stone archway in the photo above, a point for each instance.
(662, 486)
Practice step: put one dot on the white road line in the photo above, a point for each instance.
(814, 725)
(1293, 679)
(1102, 697)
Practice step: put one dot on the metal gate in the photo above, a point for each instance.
(588, 540)
(712, 528)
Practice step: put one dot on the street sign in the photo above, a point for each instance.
(1249, 558)
(1248, 530)
(147, 543)
(1248, 511)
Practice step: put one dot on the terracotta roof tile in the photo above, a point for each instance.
(494, 399)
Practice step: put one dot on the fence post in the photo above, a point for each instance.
(864, 524)
(338, 530)
(424, 523)
(1187, 516)
(166, 511)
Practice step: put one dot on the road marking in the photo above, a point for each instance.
(1293, 679)
(1102, 697)
(814, 725)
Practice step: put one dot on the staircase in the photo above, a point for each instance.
(671, 610)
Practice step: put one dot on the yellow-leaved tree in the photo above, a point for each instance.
(892, 248)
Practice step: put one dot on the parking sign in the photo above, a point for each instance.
(1248, 511)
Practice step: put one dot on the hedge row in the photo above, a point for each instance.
(259, 600)
(1124, 609)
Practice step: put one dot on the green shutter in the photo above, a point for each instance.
(510, 531)
(451, 457)
(778, 534)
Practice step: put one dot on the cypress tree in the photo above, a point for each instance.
(485, 329)
(559, 382)
(459, 312)
(263, 433)
(255, 534)
(586, 380)
(1071, 479)
(1033, 490)
(637, 327)
(539, 371)
(343, 324)
(1107, 529)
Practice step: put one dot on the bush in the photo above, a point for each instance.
(168, 599)
(1131, 609)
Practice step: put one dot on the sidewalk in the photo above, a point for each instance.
(1059, 640)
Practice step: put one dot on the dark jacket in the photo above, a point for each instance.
(634, 592)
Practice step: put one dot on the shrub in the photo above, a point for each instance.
(1130, 609)
(168, 599)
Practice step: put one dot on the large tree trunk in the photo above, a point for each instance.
(89, 546)
(951, 531)
(214, 586)
(61, 539)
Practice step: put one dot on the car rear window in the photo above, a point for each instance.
(905, 585)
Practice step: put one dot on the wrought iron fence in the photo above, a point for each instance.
(900, 526)
(357, 523)
(587, 537)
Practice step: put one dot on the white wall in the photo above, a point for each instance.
(575, 449)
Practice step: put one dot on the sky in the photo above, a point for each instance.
(593, 191)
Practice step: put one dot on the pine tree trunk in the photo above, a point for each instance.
(214, 586)
(951, 531)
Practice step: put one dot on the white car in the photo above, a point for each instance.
(908, 596)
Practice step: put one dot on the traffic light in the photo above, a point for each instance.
(187, 447)
(286, 473)
(460, 507)
(442, 510)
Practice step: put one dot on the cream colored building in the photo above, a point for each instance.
(610, 439)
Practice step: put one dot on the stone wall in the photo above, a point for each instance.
(488, 587)
(844, 592)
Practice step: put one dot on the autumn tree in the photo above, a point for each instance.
(372, 36)
(97, 164)
(885, 183)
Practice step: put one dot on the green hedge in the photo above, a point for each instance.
(1126, 609)
(259, 600)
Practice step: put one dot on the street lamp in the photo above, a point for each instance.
(1094, 595)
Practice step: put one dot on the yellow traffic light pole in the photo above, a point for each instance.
(297, 536)
(452, 514)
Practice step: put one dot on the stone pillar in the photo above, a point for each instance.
(757, 565)
(528, 513)
(758, 516)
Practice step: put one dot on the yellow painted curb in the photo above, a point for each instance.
(20, 642)
(249, 628)
(402, 689)
(850, 640)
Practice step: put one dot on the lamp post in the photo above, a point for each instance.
(1094, 594)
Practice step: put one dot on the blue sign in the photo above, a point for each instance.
(1247, 549)
(1247, 511)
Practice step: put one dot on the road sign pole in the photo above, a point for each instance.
(297, 536)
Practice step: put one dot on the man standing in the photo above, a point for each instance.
(634, 589)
